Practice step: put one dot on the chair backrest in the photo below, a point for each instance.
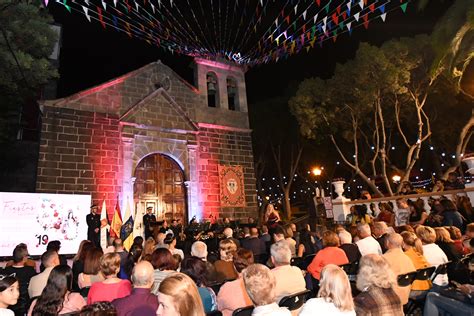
(294, 301)
(243, 311)
(347, 268)
(216, 286)
(214, 313)
(406, 279)
(425, 274)
(307, 261)
(296, 261)
(441, 269)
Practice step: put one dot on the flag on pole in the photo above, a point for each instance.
(104, 225)
(116, 221)
(138, 222)
(126, 233)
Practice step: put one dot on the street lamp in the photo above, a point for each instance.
(317, 171)
(396, 178)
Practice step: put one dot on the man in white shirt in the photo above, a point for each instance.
(50, 259)
(367, 244)
(402, 212)
(289, 279)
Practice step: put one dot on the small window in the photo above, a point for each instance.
(232, 95)
(212, 90)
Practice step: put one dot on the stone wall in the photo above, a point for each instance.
(226, 147)
(80, 153)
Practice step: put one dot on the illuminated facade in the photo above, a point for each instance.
(150, 138)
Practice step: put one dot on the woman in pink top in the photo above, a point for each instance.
(56, 297)
(233, 295)
(112, 287)
(329, 254)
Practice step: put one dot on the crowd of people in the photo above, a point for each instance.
(354, 269)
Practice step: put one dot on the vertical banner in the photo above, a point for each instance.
(328, 206)
(231, 183)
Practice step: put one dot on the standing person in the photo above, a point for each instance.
(24, 274)
(9, 294)
(148, 218)
(57, 297)
(93, 226)
(402, 212)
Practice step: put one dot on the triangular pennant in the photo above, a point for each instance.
(261, 3)
(276, 22)
(383, 16)
(304, 14)
(86, 12)
(114, 20)
(46, 3)
(104, 5)
(315, 18)
(344, 15)
(356, 16)
(404, 7)
(327, 8)
(318, 2)
(296, 8)
(335, 18)
(349, 5)
(99, 12)
(361, 4)
(115, 3)
(136, 5)
(159, 3)
(366, 21)
(87, 2)
(348, 25)
(338, 9)
(382, 8)
(372, 7)
(325, 20)
(152, 7)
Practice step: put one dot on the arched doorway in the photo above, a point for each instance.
(159, 182)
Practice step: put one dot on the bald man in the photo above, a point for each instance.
(399, 262)
(141, 302)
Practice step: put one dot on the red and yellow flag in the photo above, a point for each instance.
(116, 224)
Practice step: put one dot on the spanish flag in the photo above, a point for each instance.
(116, 224)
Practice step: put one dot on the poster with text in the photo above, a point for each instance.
(37, 218)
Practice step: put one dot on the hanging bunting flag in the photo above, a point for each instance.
(304, 14)
(338, 9)
(335, 18)
(296, 8)
(261, 3)
(46, 3)
(159, 4)
(366, 21)
(315, 18)
(361, 4)
(318, 2)
(404, 7)
(287, 19)
(66, 6)
(327, 7)
(114, 20)
(276, 22)
(152, 7)
(356, 16)
(372, 7)
(104, 5)
(382, 8)
(383, 16)
(344, 15)
(86, 13)
(99, 12)
(349, 5)
(136, 5)
(87, 2)
(348, 25)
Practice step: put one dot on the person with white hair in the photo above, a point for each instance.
(351, 250)
(367, 244)
(399, 262)
(260, 286)
(229, 234)
(380, 231)
(289, 279)
(199, 249)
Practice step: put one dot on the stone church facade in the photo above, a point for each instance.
(149, 138)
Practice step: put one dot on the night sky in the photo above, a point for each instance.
(91, 55)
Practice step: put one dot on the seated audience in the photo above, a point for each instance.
(432, 252)
(29, 262)
(260, 286)
(444, 241)
(439, 304)
(78, 262)
(386, 214)
(289, 279)
(334, 296)
(148, 249)
(120, 250)
(9, 293)
(140, 302)
(418, 215)
(199, 250)
(57, 298)
(265, 236)
(453, 183)
(360, 216)
(232, 294)
(289, 239)
(367, 244)
(179, 296)
(456, 236)
(306, 246)
(331, 253)
(224, 267)
(399, 262)
(99, 309)
(195, 268)
(414, 250)
(91, 273)
(438, 186)
(379, 232)
(164, 265)
(112, 287)
(376, 282)
(469, 234)
(351, 250)
(229, 234)
(256, 245)
(451, 216)
(134, 256)
(49, 259)
(23, 273)
(170, 240)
